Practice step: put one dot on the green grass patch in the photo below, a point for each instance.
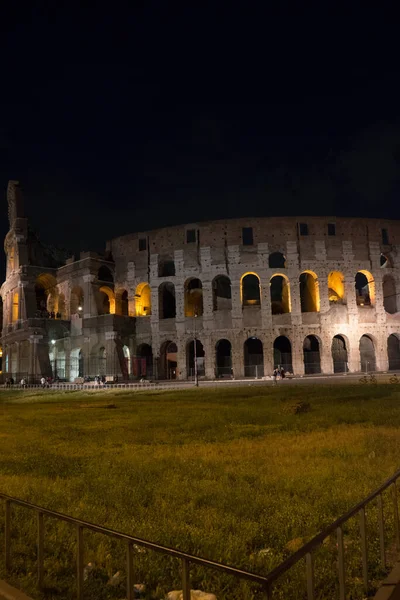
(238, 475)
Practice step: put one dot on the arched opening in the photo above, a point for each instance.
(223, 358)
(104, 275)
(76, 301)
(193, 356)
(15, 307)
(367, 354)
(393, 348)
(122, 304)
(389, 294)
(167, 305)
(105, 301)
(76, 364)
(193, 298)
(339, 354)
(311, 353)
(166, 268)
(385, 261)
(127, 359)
(253, 358)
(283, 354)
(251, 290)
(335, 287)
(365, 288)
(46, 292)
(143, 300)
(168, 360)
(143, 363)
(222, 293)
(280, 295)
(309, 292)
(277, 260)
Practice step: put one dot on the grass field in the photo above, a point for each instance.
(220, 473)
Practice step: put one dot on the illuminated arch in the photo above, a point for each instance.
(193, 297)
(121, 302)
(106, 303)
(365, 288)
(309, 292)
(15, 307)
(280, 294)
(46, 293)
(250, 289)
(335, 287)
(143, 300)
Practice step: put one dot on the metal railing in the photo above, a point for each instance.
(306, 552)
(267, 582)
(186, 559)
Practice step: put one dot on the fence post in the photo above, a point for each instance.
(129, 571)
(310, 576)
(396, 516)
(342, 586)
(79, 562)
(40, 549)
(7, 536)
(363, 531)
(186, 579)
(381, 531)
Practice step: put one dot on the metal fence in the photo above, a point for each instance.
(267, 585)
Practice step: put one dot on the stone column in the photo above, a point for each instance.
(326, 355)
(381, 353)
(33, 357)
(237, 356)
(353, 353)
(297, 353)
(89, 304)
(181, 359)
(209, 358)
(237, 313)
(208, 314)
(268, 348)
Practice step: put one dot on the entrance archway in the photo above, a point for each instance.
(168, 360)
(143, 362)
(283, 353)
(367, 354)
(393, 348)
(253, 358)
(309, 292)
(311, 353)
(339, 354)
(199, 359)
(223, 358)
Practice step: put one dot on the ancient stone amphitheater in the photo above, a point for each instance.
(231, 298)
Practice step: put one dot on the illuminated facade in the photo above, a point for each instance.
(313, 295)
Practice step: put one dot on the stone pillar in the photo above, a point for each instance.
(208, 314)
(237, 313)
(353, 353)
(268, 348)
(381, 353)
(113, 366)
(237, 356)
(89, 304)
(181, 359)
(326, 355)
(209, 358)
(297, 353)
(33, 358)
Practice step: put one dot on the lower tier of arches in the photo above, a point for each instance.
(208, 356)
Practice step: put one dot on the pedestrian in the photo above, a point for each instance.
(43, 382)
(274, 375)
(283, 373)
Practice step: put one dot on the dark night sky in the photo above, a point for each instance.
(116, 122)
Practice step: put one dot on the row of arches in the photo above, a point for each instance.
(107, 300)
(253, 356)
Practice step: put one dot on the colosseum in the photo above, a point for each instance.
(226, 298)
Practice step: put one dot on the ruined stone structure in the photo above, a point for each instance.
(233, 298)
